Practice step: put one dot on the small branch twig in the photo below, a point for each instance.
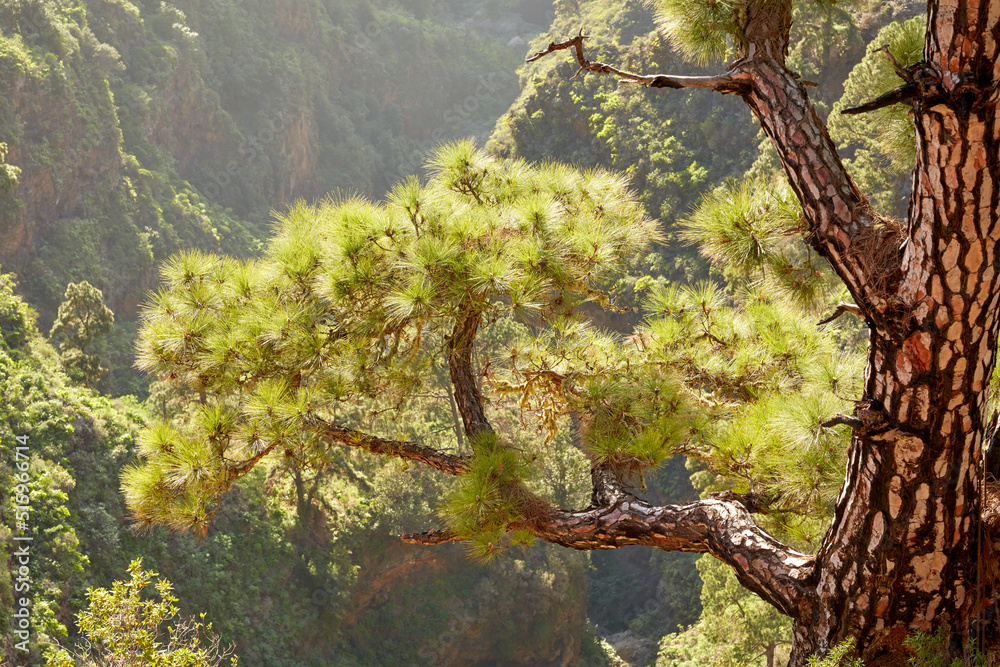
(842, 308)
(901, 71)
(903, 94)
(845, 420)
(430, 537)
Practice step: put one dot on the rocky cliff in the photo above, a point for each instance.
(142, 127)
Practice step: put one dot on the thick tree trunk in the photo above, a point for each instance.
(904, 552)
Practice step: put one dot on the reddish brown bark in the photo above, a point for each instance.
(914, 478)
(450, 463)
(468, 398)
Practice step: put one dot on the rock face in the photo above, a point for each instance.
(61, 157)
(144, 128)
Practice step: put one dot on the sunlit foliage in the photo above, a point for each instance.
(125, 628)
(339, 308)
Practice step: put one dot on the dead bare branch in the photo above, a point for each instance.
(843, 420)
(724, 83)
(430, 537)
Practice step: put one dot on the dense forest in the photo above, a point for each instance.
(146, 146)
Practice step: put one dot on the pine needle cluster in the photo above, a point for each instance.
(490, 506)
(741, 383)
(888, 132)
(765, 379)
(702, 31)
(753, 230)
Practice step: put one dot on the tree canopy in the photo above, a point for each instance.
(82, 318)
(355, 300)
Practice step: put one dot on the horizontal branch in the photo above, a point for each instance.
(902, 95)
(722, 83)
(449, 463)
(725, 529)
(721, 526)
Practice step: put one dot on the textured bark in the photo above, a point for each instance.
(913, 490)
(720, 526)
(843, 226)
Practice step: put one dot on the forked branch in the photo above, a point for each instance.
(843, 227)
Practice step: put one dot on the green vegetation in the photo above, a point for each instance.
(736, 626)
(82, 317)
(360, 304)
(143, 128)
(314, 549)
(122, 628)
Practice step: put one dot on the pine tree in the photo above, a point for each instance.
(82, 318)
(347, 304)
(911, 546)
(357, 305)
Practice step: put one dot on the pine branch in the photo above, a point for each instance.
(723, 528)
(449, 463)
(902, 72)
(723, 83)
(843, 420)
(243, 467)
(843, 226)
(468, 398)
(902, 95)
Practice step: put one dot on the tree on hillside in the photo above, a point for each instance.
(82, 318)
(358, 308)
(355, 301)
